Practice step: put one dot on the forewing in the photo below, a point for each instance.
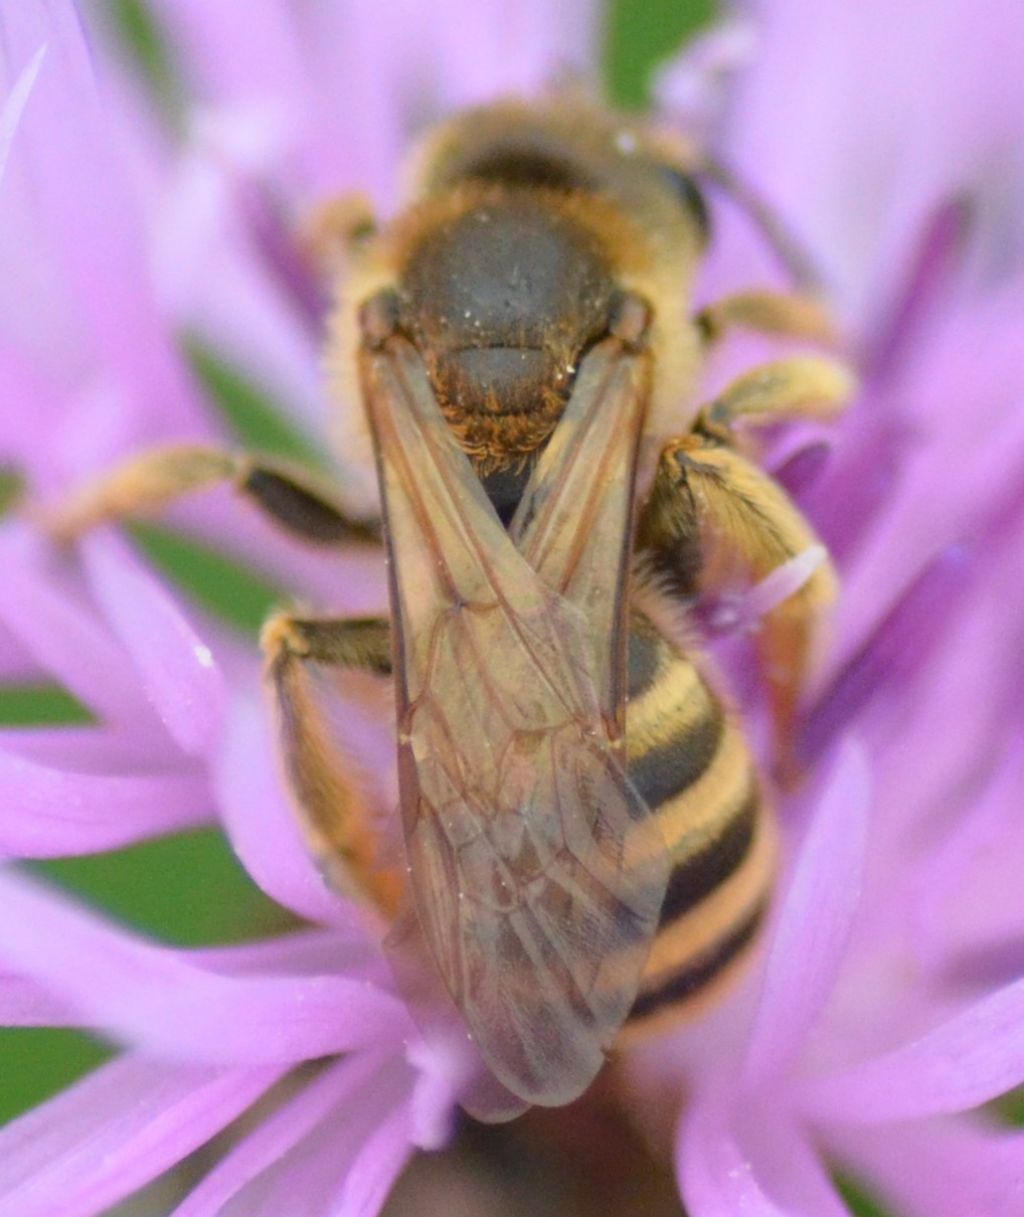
(574, 523)
(524, 836)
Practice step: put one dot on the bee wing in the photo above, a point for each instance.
(537, 882)
(574, 523)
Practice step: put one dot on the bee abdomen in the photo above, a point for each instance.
(689, 761)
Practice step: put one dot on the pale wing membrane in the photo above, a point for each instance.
(574, 523)
(524, 837)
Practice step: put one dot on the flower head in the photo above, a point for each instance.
(887, 1008)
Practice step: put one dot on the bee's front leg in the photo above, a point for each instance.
(294, 498)
(304, 658)
(795, 314)
(802, 386)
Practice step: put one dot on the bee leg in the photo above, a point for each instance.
(786, 245)
(784, 314)
(804, 386)
(294, 498)
(712, 514)
(304, 657)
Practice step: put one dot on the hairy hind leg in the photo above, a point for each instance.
(713, 514)
(303, 658)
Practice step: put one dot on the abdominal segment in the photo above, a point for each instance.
(689, 761)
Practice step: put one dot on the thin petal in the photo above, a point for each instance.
(732, 1162)
(490, 48)
(716, 1177)
(693, 86)
(90, 749)
(72, 231)
(179, 674)
(946, 914)
(815, 922)
(308, 1178)
(938, 249)
(940, 1169)
(27, 1003)
(278, 1133)
(156, 999)
(266, 57)
(894, 125)
(302, 953)
(46, 812)
(376, 1167)
(261, 824)
(962, 1063)
(898, 646)
(68, 643)
(114, 1131)
(14, 104)
(442, 1075)
(24, 1003)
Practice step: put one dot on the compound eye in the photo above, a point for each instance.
(690, 197)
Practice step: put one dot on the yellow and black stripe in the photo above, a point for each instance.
(689, 761)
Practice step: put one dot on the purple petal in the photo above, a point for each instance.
(732, 1161)
(975, 670)
(276, 1173)
(693, 87)
(940, 244)
(376, 1167)
(14, 105)
(46, 812)
(895, 126)
(488, 49)
(42, 614)
(261, 824)
(156, 999)
(23, 1003)
(971, 1058)
(715, 1177)
(940, 1169)
(442, 1075)
(815, 921)
(266, 57)
(943, 913)
(90, 749)
(83, 297)
(302, 953)
(262, 310)
(280, 1132)
(116, 1130)
(19, 383)
(15, 666)
(970, 355)
(899, 645)
(179, 674)
(244, 316)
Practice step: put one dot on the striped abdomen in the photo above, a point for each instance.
(689, 760)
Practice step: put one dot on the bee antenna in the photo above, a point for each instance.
(788, 248)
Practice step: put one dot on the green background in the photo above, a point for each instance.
(190, 889)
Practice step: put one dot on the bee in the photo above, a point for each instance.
(588, 843)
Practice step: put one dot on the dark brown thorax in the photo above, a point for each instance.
(503, 295)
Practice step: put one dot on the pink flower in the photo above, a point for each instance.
(888, 1008)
